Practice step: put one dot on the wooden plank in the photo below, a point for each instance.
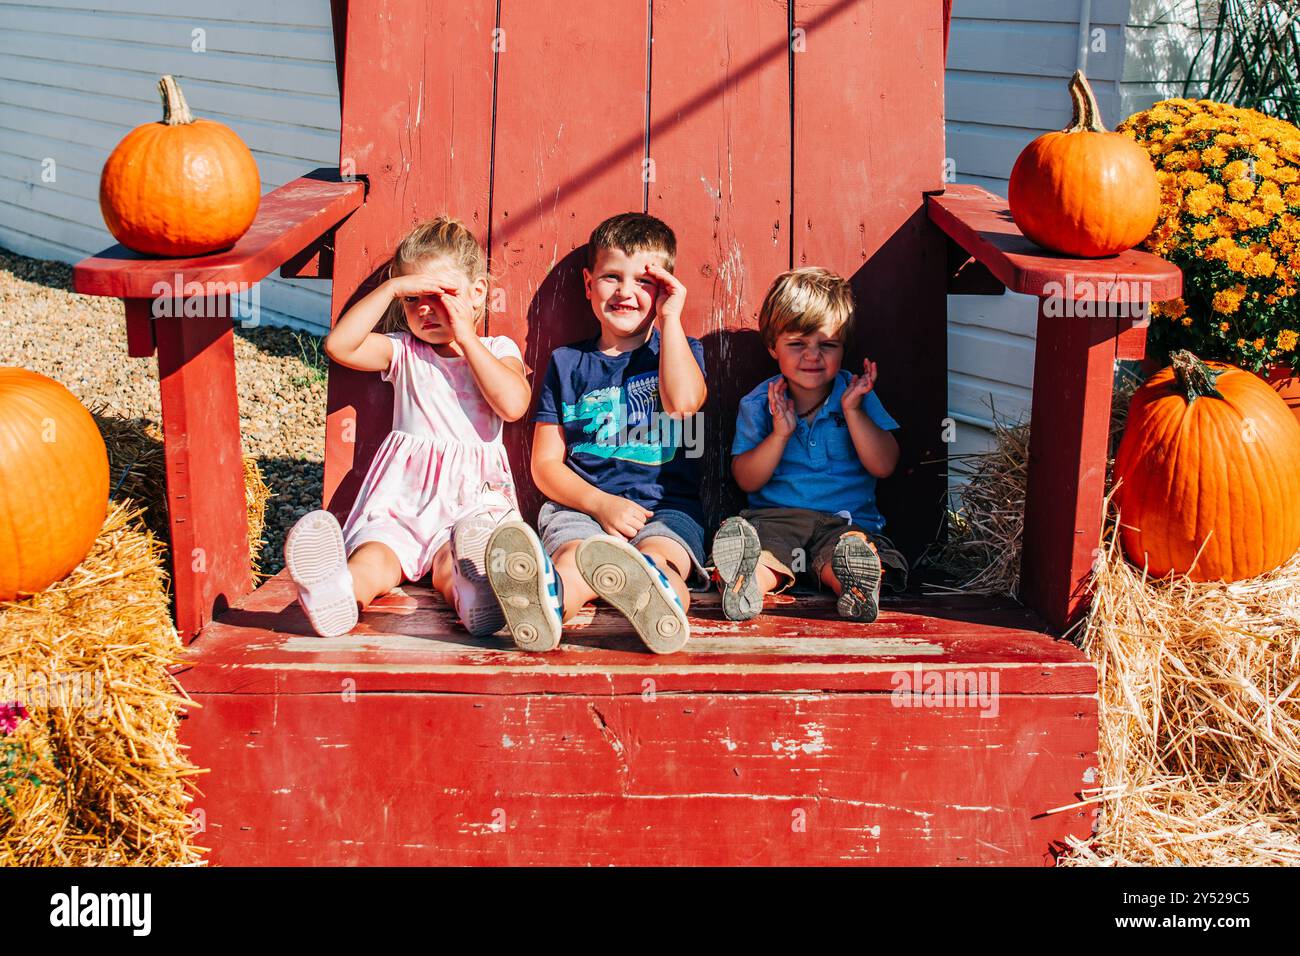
(410, 641)
(288, 219)
(570, 142)
(859, 210)
(204, 465)
(417, 124)
(720, 142)
(771, 779)
(981, 224)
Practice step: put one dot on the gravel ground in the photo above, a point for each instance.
(80, 341)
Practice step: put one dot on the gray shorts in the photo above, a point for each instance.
(559, 525)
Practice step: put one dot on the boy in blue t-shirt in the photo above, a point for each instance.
(623, 519)
(810, 444)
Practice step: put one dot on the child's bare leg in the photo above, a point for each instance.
(766, 579)
(829, 579)
(674, 561)
(441, 572)
(375, 571)
(577, 592)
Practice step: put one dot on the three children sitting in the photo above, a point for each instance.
(623, 519)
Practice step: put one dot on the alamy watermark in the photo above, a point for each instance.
(1092, 299)
(176, 298)
(918, 687)
(78, 691)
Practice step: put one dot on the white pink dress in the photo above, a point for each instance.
(444, 451)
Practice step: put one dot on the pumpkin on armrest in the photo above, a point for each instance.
(1084, 191)
(180, 187)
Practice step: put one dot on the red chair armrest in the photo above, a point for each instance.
(981, 223)
(289, 219)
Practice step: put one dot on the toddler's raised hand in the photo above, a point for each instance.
(781, 405)
(620, 516)
(859, 386)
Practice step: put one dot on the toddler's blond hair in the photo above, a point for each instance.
(807, 300)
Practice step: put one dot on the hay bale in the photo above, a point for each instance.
(1200, 718)
(986, 515)
(90, 656)
(137, 472)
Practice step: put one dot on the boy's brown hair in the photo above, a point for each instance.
(633, 232)
(807, 300)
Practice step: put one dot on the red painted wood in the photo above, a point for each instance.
(720, 142)
(981, 224)
(417, 124)
(583, 779)
(570, 140)
(204, 464)
(1131, 343)
(1074, 364)
(411, 642)
(139, 328)
(288, 219)
(868, 145)
(947, 26)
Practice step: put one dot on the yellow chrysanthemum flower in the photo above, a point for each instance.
(1227, 301)
(1287, 339)
(1214, 156)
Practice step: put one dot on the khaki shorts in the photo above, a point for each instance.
(799, 539)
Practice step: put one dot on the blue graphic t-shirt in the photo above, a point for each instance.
(618, 436)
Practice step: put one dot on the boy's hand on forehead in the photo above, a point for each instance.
(859, 386)
(672, 294)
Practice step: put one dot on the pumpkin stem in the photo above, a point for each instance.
(176, 112)
(1195, 379)
(1087, 114)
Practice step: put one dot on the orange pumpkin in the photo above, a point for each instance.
(181, 187)
(1210, 456)
(1084, 191)
(53, 482)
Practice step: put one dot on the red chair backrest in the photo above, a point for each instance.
(767, 136)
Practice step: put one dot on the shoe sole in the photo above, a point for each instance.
(856, 566)
(514, 570)
(469, 544)
(315, 554)
(736, 551)
(619, 573)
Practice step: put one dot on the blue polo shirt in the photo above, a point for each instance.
(820, 469)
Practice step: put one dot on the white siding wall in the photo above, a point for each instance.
(75, 76)
(1008, 65)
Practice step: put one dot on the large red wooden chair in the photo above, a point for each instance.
(768, 135)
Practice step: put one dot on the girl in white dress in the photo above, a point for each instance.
(440, 482)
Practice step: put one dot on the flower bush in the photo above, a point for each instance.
(1230, 219)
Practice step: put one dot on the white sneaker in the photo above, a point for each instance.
(527, 586)
(317, 560)
(471, 594)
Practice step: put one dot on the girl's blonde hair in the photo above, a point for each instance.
(440, 238)
(807, 300)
